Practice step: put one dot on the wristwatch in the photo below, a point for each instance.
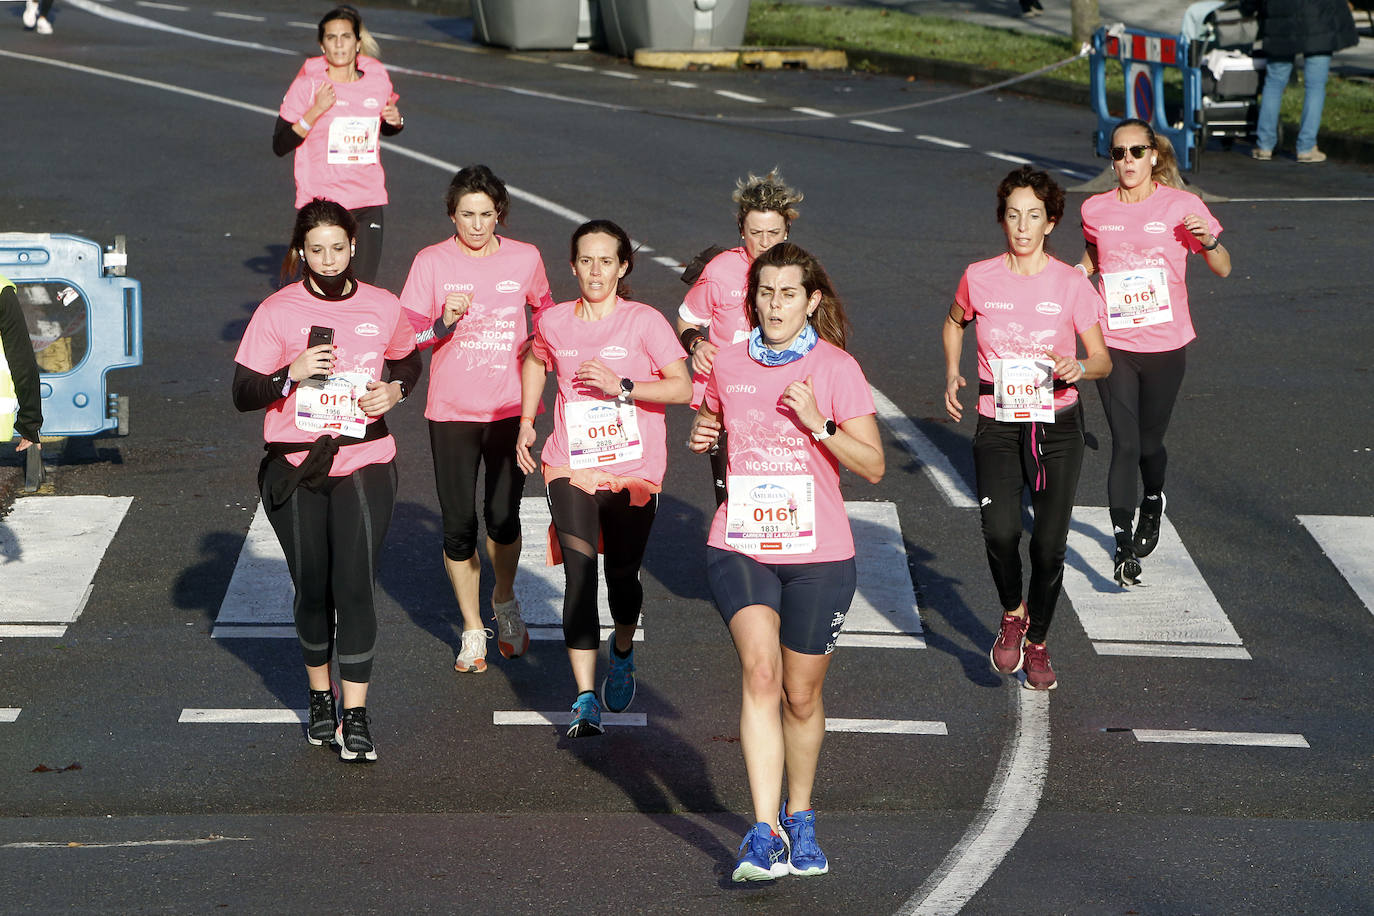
(826, 432)
(627, 388)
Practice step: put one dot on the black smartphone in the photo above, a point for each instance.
(319, 335)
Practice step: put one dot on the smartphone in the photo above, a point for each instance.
(319, 335)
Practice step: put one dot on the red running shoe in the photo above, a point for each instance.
(1006, 654)
(1039, 674)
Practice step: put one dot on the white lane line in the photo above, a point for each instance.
(98, 9)
(941, 141)
(387, 36)
(877, 125)
(528, 717)
(55, 539)
(876, 641)
(885, 599)
(578, 68)
(73, 844)
(1163, 650)
(1240, 739)
(260, 590)
(814, 112)
(670, 263)
(9, 713)
(252, 632)
(620, 74)
(172, 7)
(681, 84)
(32, 631)
(244, 716)
(1006, 157)
(551, 633)
(1073, 173)
(935, 463)
(1173, 606)
(244, 17)
(312, 26)
(1345, 540)
(738, 96)
(1007, 811)
(886, 726)
(1298, 200)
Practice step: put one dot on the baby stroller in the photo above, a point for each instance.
(1221, 45)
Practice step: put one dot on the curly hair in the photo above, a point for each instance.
(1041, 184)
(767, 194)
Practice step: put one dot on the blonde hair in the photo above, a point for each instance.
(1166, 164)
(767, 194)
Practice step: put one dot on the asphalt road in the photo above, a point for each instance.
(116, 127)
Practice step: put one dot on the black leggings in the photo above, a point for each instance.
(367, 252)
(581, 519)
(1138, 398)
(459, 447)
(1005, 462)
(332, 538)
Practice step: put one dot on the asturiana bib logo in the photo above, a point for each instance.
(367, 329)
(613, 352)
(1048, 308)
(769, 494)
(1155, 227)
(508, 286)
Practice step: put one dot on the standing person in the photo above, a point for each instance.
(1316, 29)
(618, 364)
(36, 16)
(466, 297)
(1139, 236)
(21, 397)
(313, 357)
(333, 115)
(764, 210)
(1028, 307)
(780, 555)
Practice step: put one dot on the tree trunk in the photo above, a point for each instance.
(1086, 19)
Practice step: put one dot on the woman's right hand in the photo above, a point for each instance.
(705, 433)
(952, 405)
(317, 360)
(456, 305)
(704, 357)
(324, 99)
(523, 441)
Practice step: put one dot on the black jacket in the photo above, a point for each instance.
(1292, 27)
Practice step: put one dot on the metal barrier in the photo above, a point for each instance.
(1144, 56)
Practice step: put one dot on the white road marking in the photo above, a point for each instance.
(46, 540)
(886, 726)
(874, 641)
(934, 462)
(1241, 739)
(813, 112)
(941, 141)
(681, 84)
(620, 74)
(260, 590)
(74, 844)
(1173, 606)
(579, 68)
(1007, 811)
(738, 96)
(172, 7)
(552, 633)
(670, 263)
(245, 17)
(1299, 200)
(241, 716)
(877, 125)
(1006, 157)
(9, 713)
(527, 717)
(115, 15)
(1345, 539)
(1159, 650)
(253, 632)
(885, 600)
(32, 631)
(540, 588)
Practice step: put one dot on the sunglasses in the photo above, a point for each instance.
(1137, 152)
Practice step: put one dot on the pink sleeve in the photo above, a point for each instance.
(402, 338)
(260, 349)
(961, 297)
(1089, 229)
(851, 396)
(539, 295)
(540, 348)
(1088, 307)
(710, 398)
(660, 342)
(417, 301)
(300, 95)
(700, 297)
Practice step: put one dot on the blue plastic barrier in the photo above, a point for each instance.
(1144, 56)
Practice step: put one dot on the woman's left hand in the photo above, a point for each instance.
(597, 375)
(391, 114)
(1067, 368)
(380, 397)
(801, 397)
(1198, 227)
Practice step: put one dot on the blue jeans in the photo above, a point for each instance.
(1276, 73)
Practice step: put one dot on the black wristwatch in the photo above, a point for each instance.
(627, 388)
(405, 389)
(829, 430)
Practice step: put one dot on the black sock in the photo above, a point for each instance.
(618, 653)
(1121, 525)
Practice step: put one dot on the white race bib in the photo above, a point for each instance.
(353, 141)
(1022, 390)
(332, 406)
(1136, 298)
(601, 432)
(771, 515)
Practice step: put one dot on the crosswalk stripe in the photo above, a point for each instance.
(1243, 739)
(1173, 606)
(885, 599)
(51, 547)
(1158, 650)
(552, 633)
(260, 590)
(1345, 540)
(32, 630)
(253, 632)
(9, 713)
(886, 726)
(276, 716)
(529, 717)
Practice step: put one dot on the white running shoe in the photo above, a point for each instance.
(30, 14)
(473, 655)
(512, 638)
(43, 26)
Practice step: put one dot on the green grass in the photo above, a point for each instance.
(855, 30)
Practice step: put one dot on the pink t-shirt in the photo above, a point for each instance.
(368, 329)
(1132, 238)
(340, 162)
(474, 374)
(1020, 317)
(717, 301)
(637, 343)
(766, 439)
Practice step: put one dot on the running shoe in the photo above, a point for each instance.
(323, 719)
(1147, 529)
(586, 720)
(473, 655)
(1127, 567)
(44, 27)
(1039, 674)
(762, 855)
(30, 13)
(512, 638)
(1006, 654)
(618, 689)
(804, 857)
(353, 737)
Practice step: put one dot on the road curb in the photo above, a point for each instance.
(742, 58)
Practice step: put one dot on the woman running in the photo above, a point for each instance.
(314, 357)
(333, 115)
(617, 363)
(780, 555)
(1139, 236)
(466, 297)
(765, 209)
(1028, 306)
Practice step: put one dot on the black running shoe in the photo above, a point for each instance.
(1127, 567)
(1147, 529)
(353, 738)
(323, 721)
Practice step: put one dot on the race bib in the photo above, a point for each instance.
(1136, 298)
(1022, 390)
(771, 515)
(601, 432)
(332, 406)
(353, 141)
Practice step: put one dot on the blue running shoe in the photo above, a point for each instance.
(762, 855)
(586, 720)
(618, 689)
(805, 857)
